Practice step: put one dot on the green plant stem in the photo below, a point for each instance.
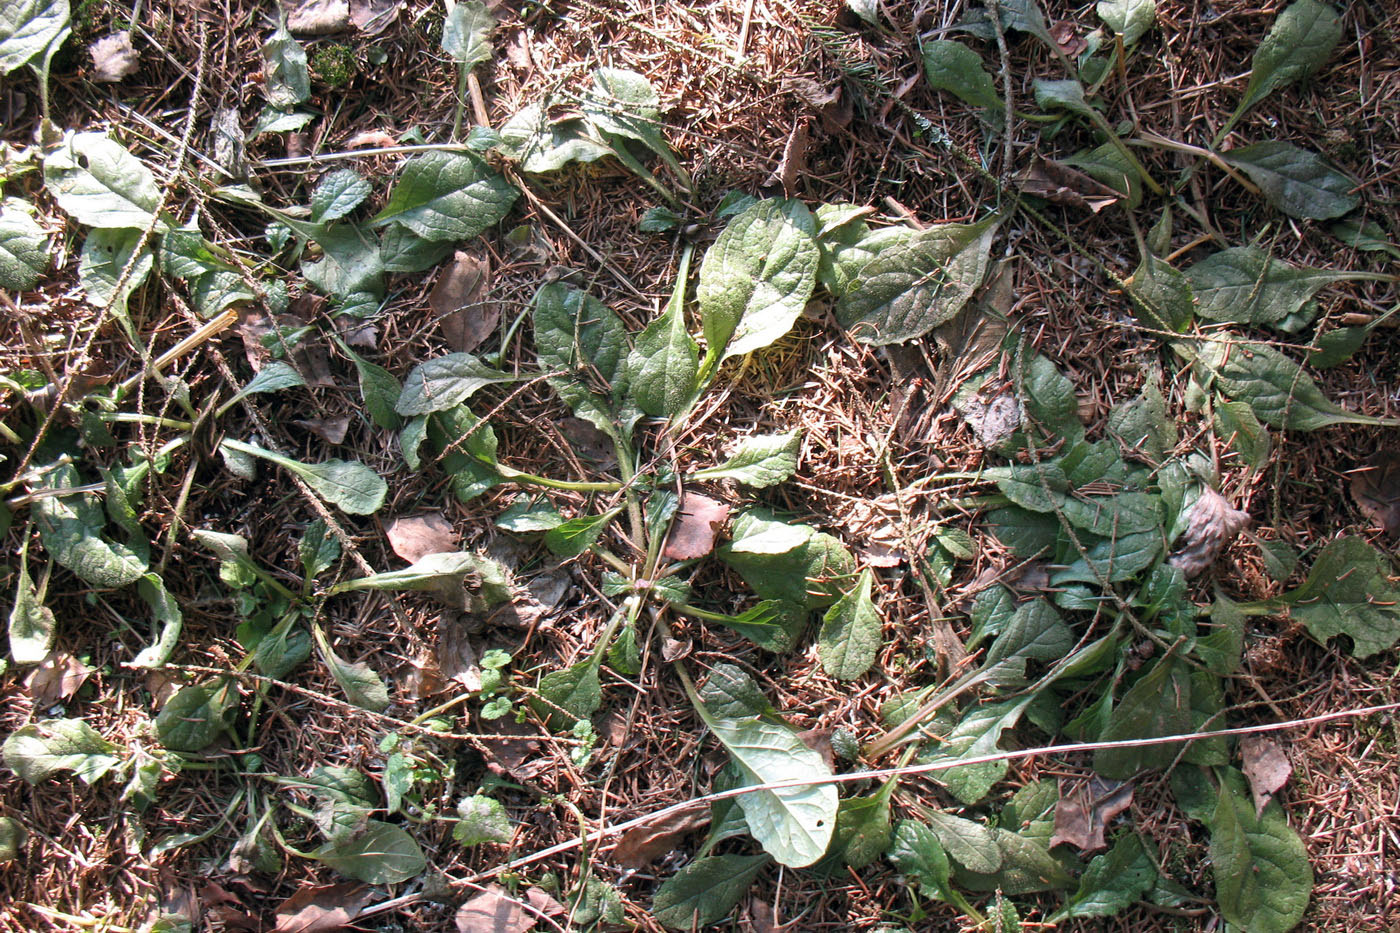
(129, 417)
(462, 72)
(530, 479)
(631, 608)
(627, 471)
(608, 557)
(704, 615)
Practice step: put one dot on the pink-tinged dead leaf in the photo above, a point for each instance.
(331, 429)
(794, 162)
(1266, 768)
(417, 536)
(307, 356)
(675, 649)
(456, 655)
(113, 58)
(371, 139)
(458, 300)
(697, 524)
(494, 911)
(543, 903)
(1067, 38)
(371, 17)
(318, 17)
(819, 741)
(315, 909)
(764, 916)
(1060, 184)
(641, 845)
(57, 678)
(884, 547)
(1082, 814)
(1210, 527)
(358, 333)
(1376, 489)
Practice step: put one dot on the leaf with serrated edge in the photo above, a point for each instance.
(100, 184)
(850, 635)
(705, 891)
(447, 196)
(1263, 878)
(760, 461)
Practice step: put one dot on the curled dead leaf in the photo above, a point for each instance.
(333, 430)
(641, 845)
(993, 420)
(371, 139)
(1082, 814)
(1376, 488)
(794, 161)
(57, 678)
(1211, 525)
(697, 524)
(1266, 768)
(1060, 184)
(113, 58)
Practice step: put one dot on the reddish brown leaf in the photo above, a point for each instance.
(642, 845)
(113, 57)
(1082, 814)
(696, 526)
(794, 162)
(459, 301)
(308, 356)
(1060, 184)
(1067, 39)
(418, 536)
(423, 677)
(1210, 527)
(493, 911)
(331, 429)
(1376, 489)
(57, 678)
(1266, 768)
(318, 909)
(819, 741)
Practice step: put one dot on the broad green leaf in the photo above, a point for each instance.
(447, 381)
(276, 120)
(1110, 516)
(757, 277)
(849, 248)
(447, 196)
(1245, 285)
(167, 616)
(196, 715)
(1067, 94)
(664, 365)
(793, 824)
(1280, 393)
(910, 288)
(462, 578)
(402, 250)
(32, 623)
(623, 103)
(1034, 632)
(1113, 881)
(705, 891)
(1364, 235)
(35, 751)
(955, 68)
(481, 819)
(1049, 398)
(350, 263)
(99, 183)
(977, 734)
(1131, 19)
(338, 784)
(774, 625)
(1337, 346)
(362, 686)
(1295, 181)
(275, 376)
(382, 854)
(850, 636)
(567, 696)
(12, 838)
(1106, 164)
(1040, 487)
(71, 528)
(571, 538)
(541, 144)
(730, 693)
(318, 549)
(806, 567)
(349, 484)
(915, 851)
(468, 446)
(1158, 704)
(970, 843)
(758, 532)
(1263, 878)
(862, 831)
(379, 390)
(1164, 298)
(282, 651)
(1237, 428)
(1142, 424)
(27, 27)
(1348, 592)
(338, 194)
(24, 247)
(466, 33)
(1026, 867)
(528, 514)
(583, 343)
(284, 71)
(214, 291)
(760, 461)
(1301, 40)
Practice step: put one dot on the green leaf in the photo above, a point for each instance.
(362, 686)
(1164, 295)
(760, 461)
(567, 696)
(955, 68)
(541, 144)
(849, 248)
(447, 381)
(35, 751)
(167, 615)
(27, 27)
(349, 484)
(284, 71)
(1236, 426)
(793, 824)
(1113, 881)
(664, 365)
(1067, 94)
(915, 851)
(447, 196)
(529, 514)
(774, 625)
(977, 734)
(1295, 181)
(623, 103)
(1301, 40)
(1245, 285)
(1222, 648)
(970, 843)
(101, 184)
(402, 250)
(804, 568)
(1364, 235)
(338, 194)
(350, 263)
(1274, 386)
(730, 693)
(318, 549)
(462, 578)
(1142, 424)
(1263, 878)
(71, 529)
(862, 831)
(584, 344)
(1034, 632)
(1158, 704)
(466, 33)
(24, 247)
(196, 715)
(705, 891)
(382, 854)
(1337, 346)
(481, 819)
(1348, 592)
(1131, 19)
(912, 287)
(379, 390)
(12, 838)
(1026, 867)
(280, 652)
(850, 636)
(571, 538)
(32, 623)
(757, 277)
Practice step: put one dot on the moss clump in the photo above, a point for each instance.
(333, 65)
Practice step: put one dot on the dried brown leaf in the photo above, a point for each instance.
(456, 655)
(819, 741)
(675, 649)
(794, 161)
(1082, 814)
(417, 536)
(319, 17)
(57, 678)
(371, 139)
(1211, 525)
(697, 524)
(1376, 489)
(1266, 768)
(1067, 38)
(372, 17)
(642, 845)
(308, 356)
(331, 429)
(832, 106)
(992, 420)
(1060, 184)
(113, 58)
(423, 677)
(459, 300)
(316, 909)
(493, 911)
(586, 440)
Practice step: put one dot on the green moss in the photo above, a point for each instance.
(333, 65)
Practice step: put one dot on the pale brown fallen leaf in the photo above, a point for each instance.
(1376, 489)
(456, 655)
(544, 903)
(1211, 525)
(331, 429)
(794, 161)
(514, 753)
(308, 356)
(675, 649)
(763, 916)
(113, 58)
(1266, 768)
(371, 139)
(423, 677)
(319, 17)
(819, 741)
(1066, 36)
(884, 547)
(371, 17)
(417, 536)
(1082, 814)
(458, 300)
(586, 440)
(641, 845)
(1060, 184)
(358, 333)
(318, 909)
(832, 106)
(992, 420)
(57, 678)
(494, 911)
(697, 524)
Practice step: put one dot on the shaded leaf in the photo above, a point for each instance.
(664, 364)
(1236, 426)
(955, 68)
(1375, 486)
(970, 843)
(571, 538)
(382, 854)
(1295, 181)
(1263, 878)
(706, 890)
(1113, 881)
(362, 686)
(1164, 296)
(1158, 704)
(1300, 41)
(1348, 592)
(1245, 285)
(1131, 19)
(195, 716)
(583, 343)
(350, 264)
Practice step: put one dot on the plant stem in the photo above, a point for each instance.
(530, 479)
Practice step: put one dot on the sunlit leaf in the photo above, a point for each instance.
(447, 196)
(850, 635)
(348, 484)
(362, 686)
(24, 247)
(35, 751)
(102, 185)
(27, 27)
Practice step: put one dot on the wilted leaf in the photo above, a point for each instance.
(1295, 181)
(319, 17)
(1211, 525)
(27, 27)
(1058, 183)
(24, 253)
(1376, 488)
(285, 73)
(1266, 768)
(1082, 814)
(331, 430)
(322, 908)
(459, 301)
(113, 57)
(493, 911)
(641, 845)
(793, 165)
(372, 17)
(418, 536)
(1300, 41)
